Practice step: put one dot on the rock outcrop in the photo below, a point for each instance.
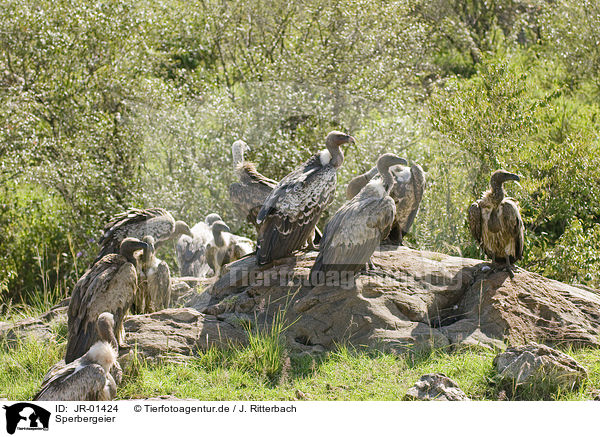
(435, 387)
(410, 300)
(539, 363)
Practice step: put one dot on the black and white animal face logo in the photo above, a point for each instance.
(26, 416)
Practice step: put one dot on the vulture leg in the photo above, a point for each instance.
(509, 268)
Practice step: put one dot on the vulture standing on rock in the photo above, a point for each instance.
(226, 247)
(154, 281)
(191, 251)
(109, 285)
(407, 192)
(138, 223)
(89, 377)
(496, 224)
(357, 228)
(293, 208)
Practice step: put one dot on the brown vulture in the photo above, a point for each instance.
(226, 247)
(496, 224)
(88, 378)
(357, 228)
(407, 192)
(109, 285)
(292, 210)
(138, 223)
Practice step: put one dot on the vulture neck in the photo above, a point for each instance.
(238, 156)
(497, 193)
(218, 236)
(106, 334)
(337, 156)
(387, 179)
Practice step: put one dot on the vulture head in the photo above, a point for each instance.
(238, 149)
(501, 176)
(106, 329)
(212, 218)
(384, 162)
(218, 227)
(148, 251)
(130, 245)
(181, 228)
(333, 141)
(336, 138)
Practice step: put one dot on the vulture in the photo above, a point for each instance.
(407, 192)
(109, 285)
(496, 224)
(249, 194)
(226, 247)
(290, 213)
(138, 223)
(88, 378)
(357, 228)
(191, 251)
(154, 281)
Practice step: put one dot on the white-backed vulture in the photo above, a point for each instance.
(249, 194)
(226, 247)
(407, 192)
(109, 285)
(154, 281)
(357, 228)
(496, 224)
(89, 377)
(137, 223)
(191, 251)
(292, 210)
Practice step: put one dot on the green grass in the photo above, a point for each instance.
(239, 374)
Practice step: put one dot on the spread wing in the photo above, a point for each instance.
(136, 223)
(514, 223)
(293, 208)
(74, 384)
(110, 286)
(475, 222)
(354, 233)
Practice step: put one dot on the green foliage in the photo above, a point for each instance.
(111, 105)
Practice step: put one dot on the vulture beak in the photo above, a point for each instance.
(351, 139)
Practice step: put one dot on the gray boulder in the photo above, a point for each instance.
(435, 387)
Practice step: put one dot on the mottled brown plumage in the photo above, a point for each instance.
(109, 285)
(90, 377)
(495, 222)
(290, 213)
(154, 281)
(357, 228)
(137, 223)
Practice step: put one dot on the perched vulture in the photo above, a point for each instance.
(292, 210)
(191, 251)
(88, 378)
(496, 224)
(249, 194)
(109, 285)
(407, 192)
(138, 223)
(154, 281)
(226, 247)
(357, 228)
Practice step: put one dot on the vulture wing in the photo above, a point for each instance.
(74, 383)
